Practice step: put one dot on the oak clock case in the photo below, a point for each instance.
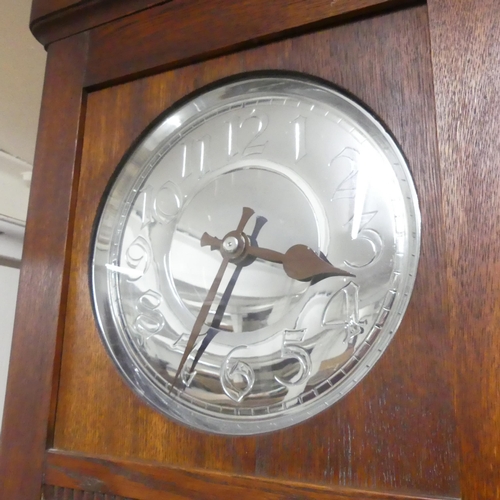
(255, 253)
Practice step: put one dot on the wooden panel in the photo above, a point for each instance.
(52, 20)
(466, 57)
(60, 493)
(153, 482)
(396, 430)
(176, 33)
(33, 370)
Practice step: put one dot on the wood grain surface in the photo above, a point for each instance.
(61, 493)
(174, 34)
(465, 38)
(52, 20)
(396, 430)
(33, 371)
(102, 477)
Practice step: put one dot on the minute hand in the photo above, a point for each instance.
(299, 262)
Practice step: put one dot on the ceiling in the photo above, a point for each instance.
(22, 64)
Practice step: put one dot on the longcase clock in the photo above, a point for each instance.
(260, 254)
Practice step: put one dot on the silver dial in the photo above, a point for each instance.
(273, 340)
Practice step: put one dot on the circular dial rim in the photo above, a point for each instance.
(134, 166)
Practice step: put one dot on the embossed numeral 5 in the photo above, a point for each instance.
(290, 350)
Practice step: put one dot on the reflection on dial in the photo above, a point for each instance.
(272, 350)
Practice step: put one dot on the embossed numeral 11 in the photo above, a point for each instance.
(195, 156)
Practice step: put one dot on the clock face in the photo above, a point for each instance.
(255, 254)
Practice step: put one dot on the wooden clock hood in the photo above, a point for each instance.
(424, 423)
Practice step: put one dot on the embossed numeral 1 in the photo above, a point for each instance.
(343, 309)
(292, 351)
(149, 319)
(299, 134)
(244, 136)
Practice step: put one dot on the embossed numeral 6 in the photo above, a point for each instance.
(236, 376)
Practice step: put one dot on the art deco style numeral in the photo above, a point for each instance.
(348, 187)
(292, 351)
(149, 320)
(299, 134)
(236, 376)
(162, 206)
(372, 239)
(343, 309)
(168, 202)
(244, 136)
(354, 187)
(195, 157)
(138, 258)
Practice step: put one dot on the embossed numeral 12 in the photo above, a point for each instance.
(244, 136)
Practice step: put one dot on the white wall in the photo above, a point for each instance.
(22, 67)
(8, 293)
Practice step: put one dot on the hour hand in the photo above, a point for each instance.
(212, 241)
(300, 263)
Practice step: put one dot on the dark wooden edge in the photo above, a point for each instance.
(36, 344)
(465, 50)
(174, 32)
(49, 22)
(150, 481)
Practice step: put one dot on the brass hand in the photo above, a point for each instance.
(221, 308)
(299, 262)
(205, 308)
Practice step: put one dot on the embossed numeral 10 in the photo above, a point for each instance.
(162, 206)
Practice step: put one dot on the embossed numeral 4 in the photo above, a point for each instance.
(343, 309)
